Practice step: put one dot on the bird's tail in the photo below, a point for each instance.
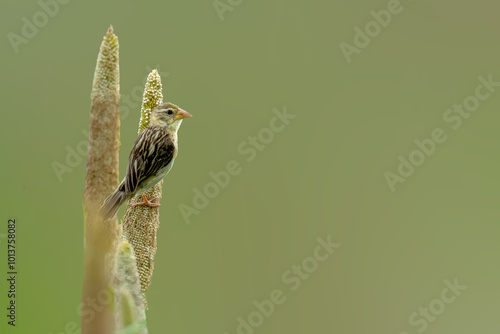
(113, 202)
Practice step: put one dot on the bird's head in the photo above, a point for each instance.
(168, 115)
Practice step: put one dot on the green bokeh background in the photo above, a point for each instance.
(323, 175)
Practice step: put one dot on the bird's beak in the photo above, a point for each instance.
(182, 114)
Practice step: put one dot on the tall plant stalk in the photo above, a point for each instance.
(141, 223)
(101, 180)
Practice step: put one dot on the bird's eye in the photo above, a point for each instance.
(170, 112)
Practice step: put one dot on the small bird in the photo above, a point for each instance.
(150, 160)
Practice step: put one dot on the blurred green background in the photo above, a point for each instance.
(323, 175)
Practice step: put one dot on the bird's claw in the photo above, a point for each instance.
(147, 202)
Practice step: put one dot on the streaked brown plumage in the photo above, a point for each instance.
(151, 157)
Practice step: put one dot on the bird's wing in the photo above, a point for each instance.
(153, 150)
